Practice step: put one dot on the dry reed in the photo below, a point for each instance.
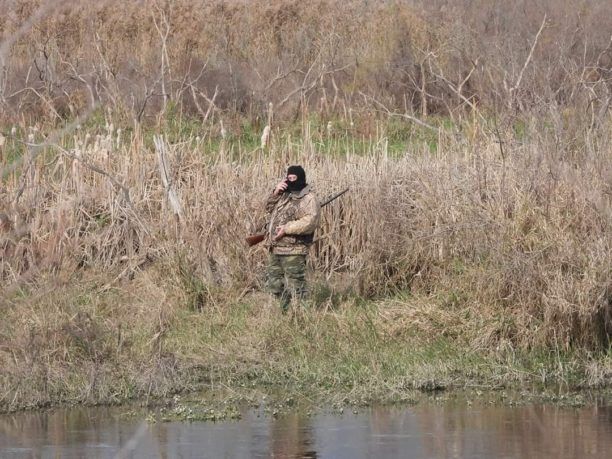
(520, 245)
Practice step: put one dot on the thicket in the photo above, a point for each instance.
(204, 57)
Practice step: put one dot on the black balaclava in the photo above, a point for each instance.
(300, 183)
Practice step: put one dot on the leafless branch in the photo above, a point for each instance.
(401, 115)
(457, 89)
(211, 101)
(280, 76)
(165, 61)
(533, 46)
(98, 170)
(173, 199)
(305, 87)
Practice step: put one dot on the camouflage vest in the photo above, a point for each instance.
(290, 207)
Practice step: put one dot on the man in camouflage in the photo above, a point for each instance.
(294, 215)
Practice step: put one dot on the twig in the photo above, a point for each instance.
(535, 42)
(165, 62)
(211, 102)
(173, 199)
(279, 76)
(94, 168)
(457, 89)
(402, 115)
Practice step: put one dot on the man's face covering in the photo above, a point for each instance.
(300, 182)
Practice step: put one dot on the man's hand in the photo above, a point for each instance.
(280, 232)
(281, 187)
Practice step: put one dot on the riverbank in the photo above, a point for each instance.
(431, 273)
(92, 342)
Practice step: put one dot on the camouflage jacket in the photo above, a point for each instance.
(299, 214)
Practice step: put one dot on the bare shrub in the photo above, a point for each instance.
(431, 59)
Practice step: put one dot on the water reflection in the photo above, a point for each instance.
(292, 437)
(533, 431)
(424, 431)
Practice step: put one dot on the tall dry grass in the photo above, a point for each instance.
(518, 244)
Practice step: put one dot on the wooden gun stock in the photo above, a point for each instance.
(255, 239)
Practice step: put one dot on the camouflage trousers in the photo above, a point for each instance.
(286, 278)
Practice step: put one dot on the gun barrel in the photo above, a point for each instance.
(334, 196)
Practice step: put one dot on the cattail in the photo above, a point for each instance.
(270, 113)
(265, 137)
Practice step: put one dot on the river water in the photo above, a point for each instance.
(426, 430)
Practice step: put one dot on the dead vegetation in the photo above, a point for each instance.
(475, 139)
(146, 58)
(523, 241)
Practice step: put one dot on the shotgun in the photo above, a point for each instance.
(255, 239)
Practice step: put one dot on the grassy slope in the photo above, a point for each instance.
(87, 343)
